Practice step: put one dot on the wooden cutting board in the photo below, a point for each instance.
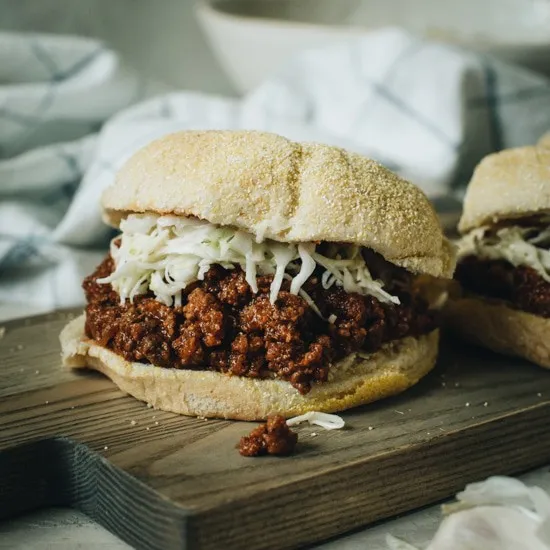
(159, 480)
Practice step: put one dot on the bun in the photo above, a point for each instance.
(287, 191)
(511, 184)
(491, 324)
(544, 141)
(355, 381)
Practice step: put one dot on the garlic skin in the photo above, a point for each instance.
(500, 513)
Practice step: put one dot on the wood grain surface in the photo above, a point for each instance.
(159, 480)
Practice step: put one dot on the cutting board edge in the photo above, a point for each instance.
(192, 528)
(62, 472)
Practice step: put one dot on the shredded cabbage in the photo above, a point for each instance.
(527, 246)
(165, 254)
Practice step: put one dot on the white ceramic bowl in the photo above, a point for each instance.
(253, 37)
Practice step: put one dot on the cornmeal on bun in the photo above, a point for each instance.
(257, 276)
(504, 256)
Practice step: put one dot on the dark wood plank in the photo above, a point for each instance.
(172, 481)
(60, 472)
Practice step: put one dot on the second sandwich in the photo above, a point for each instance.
(504, 256)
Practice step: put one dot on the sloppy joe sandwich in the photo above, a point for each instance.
(257, 276)
(504, 256)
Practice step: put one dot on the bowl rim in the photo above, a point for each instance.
(209, 9)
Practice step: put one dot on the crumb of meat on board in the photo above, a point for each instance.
(273, 438)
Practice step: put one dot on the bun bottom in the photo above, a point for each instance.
(494, 325)
(353, 381)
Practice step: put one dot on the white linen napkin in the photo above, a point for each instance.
(425, 110)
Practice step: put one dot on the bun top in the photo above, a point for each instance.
(282, 190)
(512, 184)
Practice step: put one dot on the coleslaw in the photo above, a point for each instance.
(527, 246)
(164, 254)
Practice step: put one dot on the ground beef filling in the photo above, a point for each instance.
(223, 326)
(522, 287)
(272, 438)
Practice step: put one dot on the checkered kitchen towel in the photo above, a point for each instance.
(428, 111)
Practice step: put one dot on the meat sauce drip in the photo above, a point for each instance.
(222, 325)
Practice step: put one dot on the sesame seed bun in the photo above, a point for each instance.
(512, 184)
(353, 381)
(287, 191)
(494, 325)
